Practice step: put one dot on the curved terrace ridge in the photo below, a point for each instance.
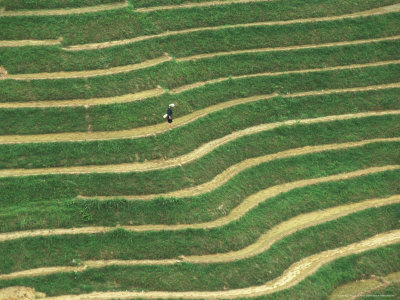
(188, 87)
(159, 91)
(91, 73)
(166, 57)
(159, 128)
(63, 11)
(264, 242)
(232, 171)
(291, 276)
(91, 46)
(235, 214)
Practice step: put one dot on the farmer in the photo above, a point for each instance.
(169, 115)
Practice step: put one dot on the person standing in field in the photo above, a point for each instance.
(169, 115)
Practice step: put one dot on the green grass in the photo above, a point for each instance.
(50, 201)
(25, 215)
(23, 121)
(172, 74)
(188, 138)
(241, 13)
(50, 59)
(242, 273)
(148, 112)
(37, 188)
(51, 4)
(125, 23)
(142, 113)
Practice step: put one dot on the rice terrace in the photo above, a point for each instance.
(199, 149)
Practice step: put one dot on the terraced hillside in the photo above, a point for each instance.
(280, 175)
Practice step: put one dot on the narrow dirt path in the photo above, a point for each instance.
(232, 171)
(90, 73)
(191, 5)
(91, 46)
(240, 210)
(292, 276)
(63, 11)
(20, 43)
(265, 241)
(159, 91)
(156, 61)
(357, 289)
(269, 74)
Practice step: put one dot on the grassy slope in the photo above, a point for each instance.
(242, 273)
(149, 112)
(203, 208)
(48, 59)
(171, 74)
(38, 188)
(101, 26)
(188, 138)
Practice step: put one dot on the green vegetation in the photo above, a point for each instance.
(187, 138)
(44, 202)
(171, 74)
(68, 213)
(102, 26)
(50, 59)
(242, 273)
(24, 121)
(51, 4)
(22, 189)
(148, 112)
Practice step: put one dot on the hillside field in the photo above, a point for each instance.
(278, 178)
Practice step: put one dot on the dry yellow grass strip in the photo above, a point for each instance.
(357, 289)
(232, 171)
(20, 293)
(265, 241)
(91, 73)
(269, 74)
(91, 46)
(156, 61)
(63, 11)
(291, 276)
(289, 48)
(192, 5)
(240, 210)
(20, 43)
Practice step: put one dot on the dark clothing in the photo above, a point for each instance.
(169, 113)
